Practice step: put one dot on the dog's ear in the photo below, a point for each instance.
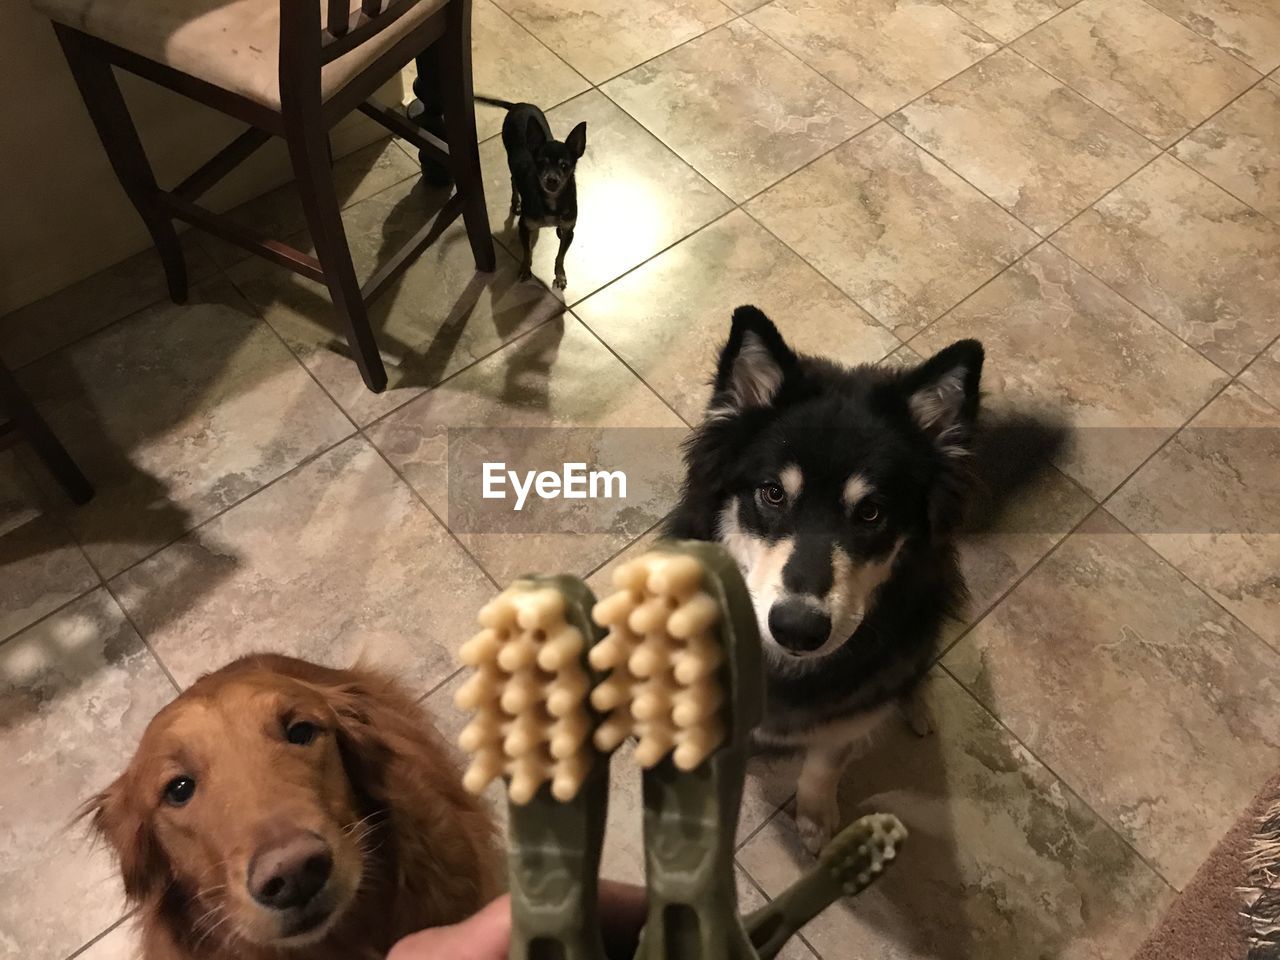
(534, 135)
(577, 141)
(118, 817)
(942, 393)
(754, 363)
(364, 732)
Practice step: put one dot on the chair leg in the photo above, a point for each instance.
(454, 59)
(46, 444)
(110, 115)
(309, 152)
(427, 111)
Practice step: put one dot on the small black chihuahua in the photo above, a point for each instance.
(543, 191)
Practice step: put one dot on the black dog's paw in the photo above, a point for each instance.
(561, 282)
(524, 275)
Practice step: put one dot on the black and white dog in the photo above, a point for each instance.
(837, 490)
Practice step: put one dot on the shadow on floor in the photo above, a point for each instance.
(420, 343)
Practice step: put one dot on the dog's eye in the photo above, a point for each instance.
(772, 494)
(179, 790)
(868, 512)
(301, 733)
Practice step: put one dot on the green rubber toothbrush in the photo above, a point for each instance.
(674, 663)
(533, 724)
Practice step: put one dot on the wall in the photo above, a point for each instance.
(63, 216)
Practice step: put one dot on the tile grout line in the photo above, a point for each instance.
(78, 951)
(105, 586)
(261, 315)
(1050, 240)
(422, 700)
(1087, 99)
(56, 515)
(1209, 40)
(231, 506)
(904, 341)
(1100, 507)
(746, 18)
(1191, 581)
(61, 607)
(631, 543)
(733, 15)
(939, 664)
(1214, 115)
(155, 654)
(910, 341)
(986, 611)
(422, 500)
(1154, 319)
(879, 119)
(973, 23)
(542, 43)
(786, 52)
(1042, 237)
(1271, 220)
(1170, 150)
(1100, 504)
(359, 431)
(1104, 504)
(778, 811)
(755, 884)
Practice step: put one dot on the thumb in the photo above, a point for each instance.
(484, 936)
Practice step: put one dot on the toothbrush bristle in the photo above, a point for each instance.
(528, 695)
(662, 654)
(859, 853)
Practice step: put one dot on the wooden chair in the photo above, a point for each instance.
(275, 65)
(25, 423)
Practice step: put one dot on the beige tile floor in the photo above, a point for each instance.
(1092, 188)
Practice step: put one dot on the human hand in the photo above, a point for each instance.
(487, 935)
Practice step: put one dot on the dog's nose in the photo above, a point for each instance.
(289, 873)
(798, 626)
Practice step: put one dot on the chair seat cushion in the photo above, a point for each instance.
(233, 44)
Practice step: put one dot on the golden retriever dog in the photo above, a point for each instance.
(279, 809)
